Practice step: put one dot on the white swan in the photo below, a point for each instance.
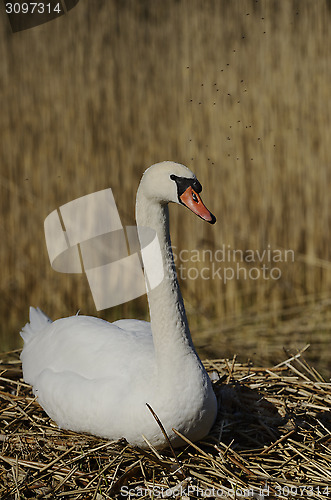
(93, 376)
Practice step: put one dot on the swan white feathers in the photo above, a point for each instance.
(93, 376)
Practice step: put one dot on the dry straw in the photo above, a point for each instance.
(272, 439)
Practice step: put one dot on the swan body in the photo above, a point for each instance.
(93, 376)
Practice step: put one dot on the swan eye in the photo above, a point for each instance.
(194, 196)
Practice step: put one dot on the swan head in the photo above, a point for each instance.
(168, 182)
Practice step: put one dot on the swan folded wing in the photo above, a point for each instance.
(83, 405)
(88, 347)
(139, 327)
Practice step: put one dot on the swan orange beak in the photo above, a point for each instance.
(192, 200)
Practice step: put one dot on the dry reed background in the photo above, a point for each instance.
(237, 90)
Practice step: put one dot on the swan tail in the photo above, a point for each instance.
(38, 320)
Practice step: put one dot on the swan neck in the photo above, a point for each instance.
(171, 334)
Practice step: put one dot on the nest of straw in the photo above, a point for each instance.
(272, 439)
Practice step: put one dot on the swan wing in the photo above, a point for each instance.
(88, 347)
